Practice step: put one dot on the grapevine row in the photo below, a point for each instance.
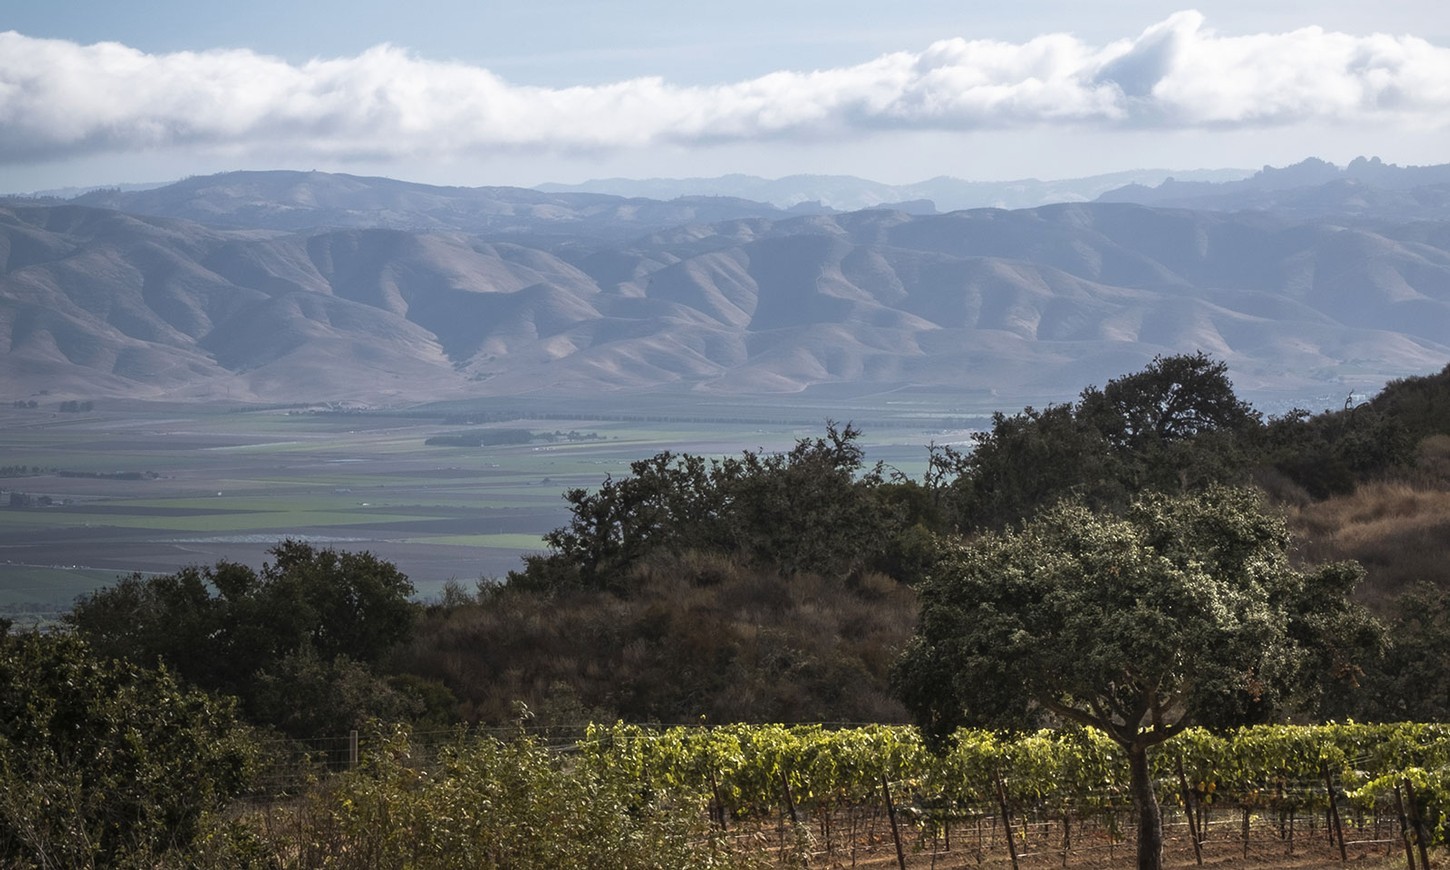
(745, 770)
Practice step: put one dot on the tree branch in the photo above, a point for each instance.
(1081, 717)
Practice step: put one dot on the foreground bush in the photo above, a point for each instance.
(103, 762)
(488, 803)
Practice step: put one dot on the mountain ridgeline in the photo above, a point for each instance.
(1366, 190)
(306, 286)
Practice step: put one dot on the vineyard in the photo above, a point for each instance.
(777, 795)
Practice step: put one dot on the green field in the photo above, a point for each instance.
(208, 483)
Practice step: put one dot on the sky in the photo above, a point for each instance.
(98, 92)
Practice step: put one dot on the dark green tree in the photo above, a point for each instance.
(810, 509)
(341, 603)
(220, 627)
(103, 761)
(1174, 398)
(1183, 611)
(1176, 426)
(1411, 681)
(1331, 453)
(1026, 461)
(304, 693)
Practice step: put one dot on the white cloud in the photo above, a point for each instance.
(59, 98)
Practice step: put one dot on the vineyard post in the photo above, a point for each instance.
(1066, 835)
(1417, 825)
(1006, 820)
(719, 804)
(1293, 808)
(826, 832)
(1188, 811)
(1337, 831)
(1404, 830)
(891, 814)
(1283, 810)
(795, 818)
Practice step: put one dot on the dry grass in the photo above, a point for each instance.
(697, 635)
(1399, 531)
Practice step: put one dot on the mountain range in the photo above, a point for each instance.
(848, 193)
(1367, 189)
(281, 286)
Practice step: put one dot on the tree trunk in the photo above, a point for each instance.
(1150, 818)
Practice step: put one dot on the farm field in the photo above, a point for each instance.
(153, 488)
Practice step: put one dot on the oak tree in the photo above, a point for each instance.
(1183, 611)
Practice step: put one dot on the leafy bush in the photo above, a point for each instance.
(488, 803)
(101, 760)
(272, 637)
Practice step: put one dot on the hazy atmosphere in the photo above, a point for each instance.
(733, 436)
(93, 93)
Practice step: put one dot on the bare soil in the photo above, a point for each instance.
(1224, 847)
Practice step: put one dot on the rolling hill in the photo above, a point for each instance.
(309, 303)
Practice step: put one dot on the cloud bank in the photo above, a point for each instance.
(59, 98)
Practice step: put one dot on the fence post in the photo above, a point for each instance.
(789, 798)
(1337, 832)
(1417, 824)
(352, 749)
(891, 814)
(1404, 830)
(1006, 819)
(1188, 811)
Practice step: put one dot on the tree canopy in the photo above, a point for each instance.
(229, 628)
(809, 509)
(1176, 426)
(1183, 611)
(102, 760)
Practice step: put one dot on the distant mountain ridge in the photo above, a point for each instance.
(295, 298)
(1365, 189)
(289, 201)
(848, 193)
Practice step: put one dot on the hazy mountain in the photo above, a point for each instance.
(847, 193)
(73, 192)
(284, 200)
(1365, 190)
(95, 302)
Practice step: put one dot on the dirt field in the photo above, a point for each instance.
(866, 842)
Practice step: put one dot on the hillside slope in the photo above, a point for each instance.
(100, 303)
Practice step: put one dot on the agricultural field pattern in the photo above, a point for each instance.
(90, 496)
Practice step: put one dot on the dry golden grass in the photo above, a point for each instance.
(1398, 529)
